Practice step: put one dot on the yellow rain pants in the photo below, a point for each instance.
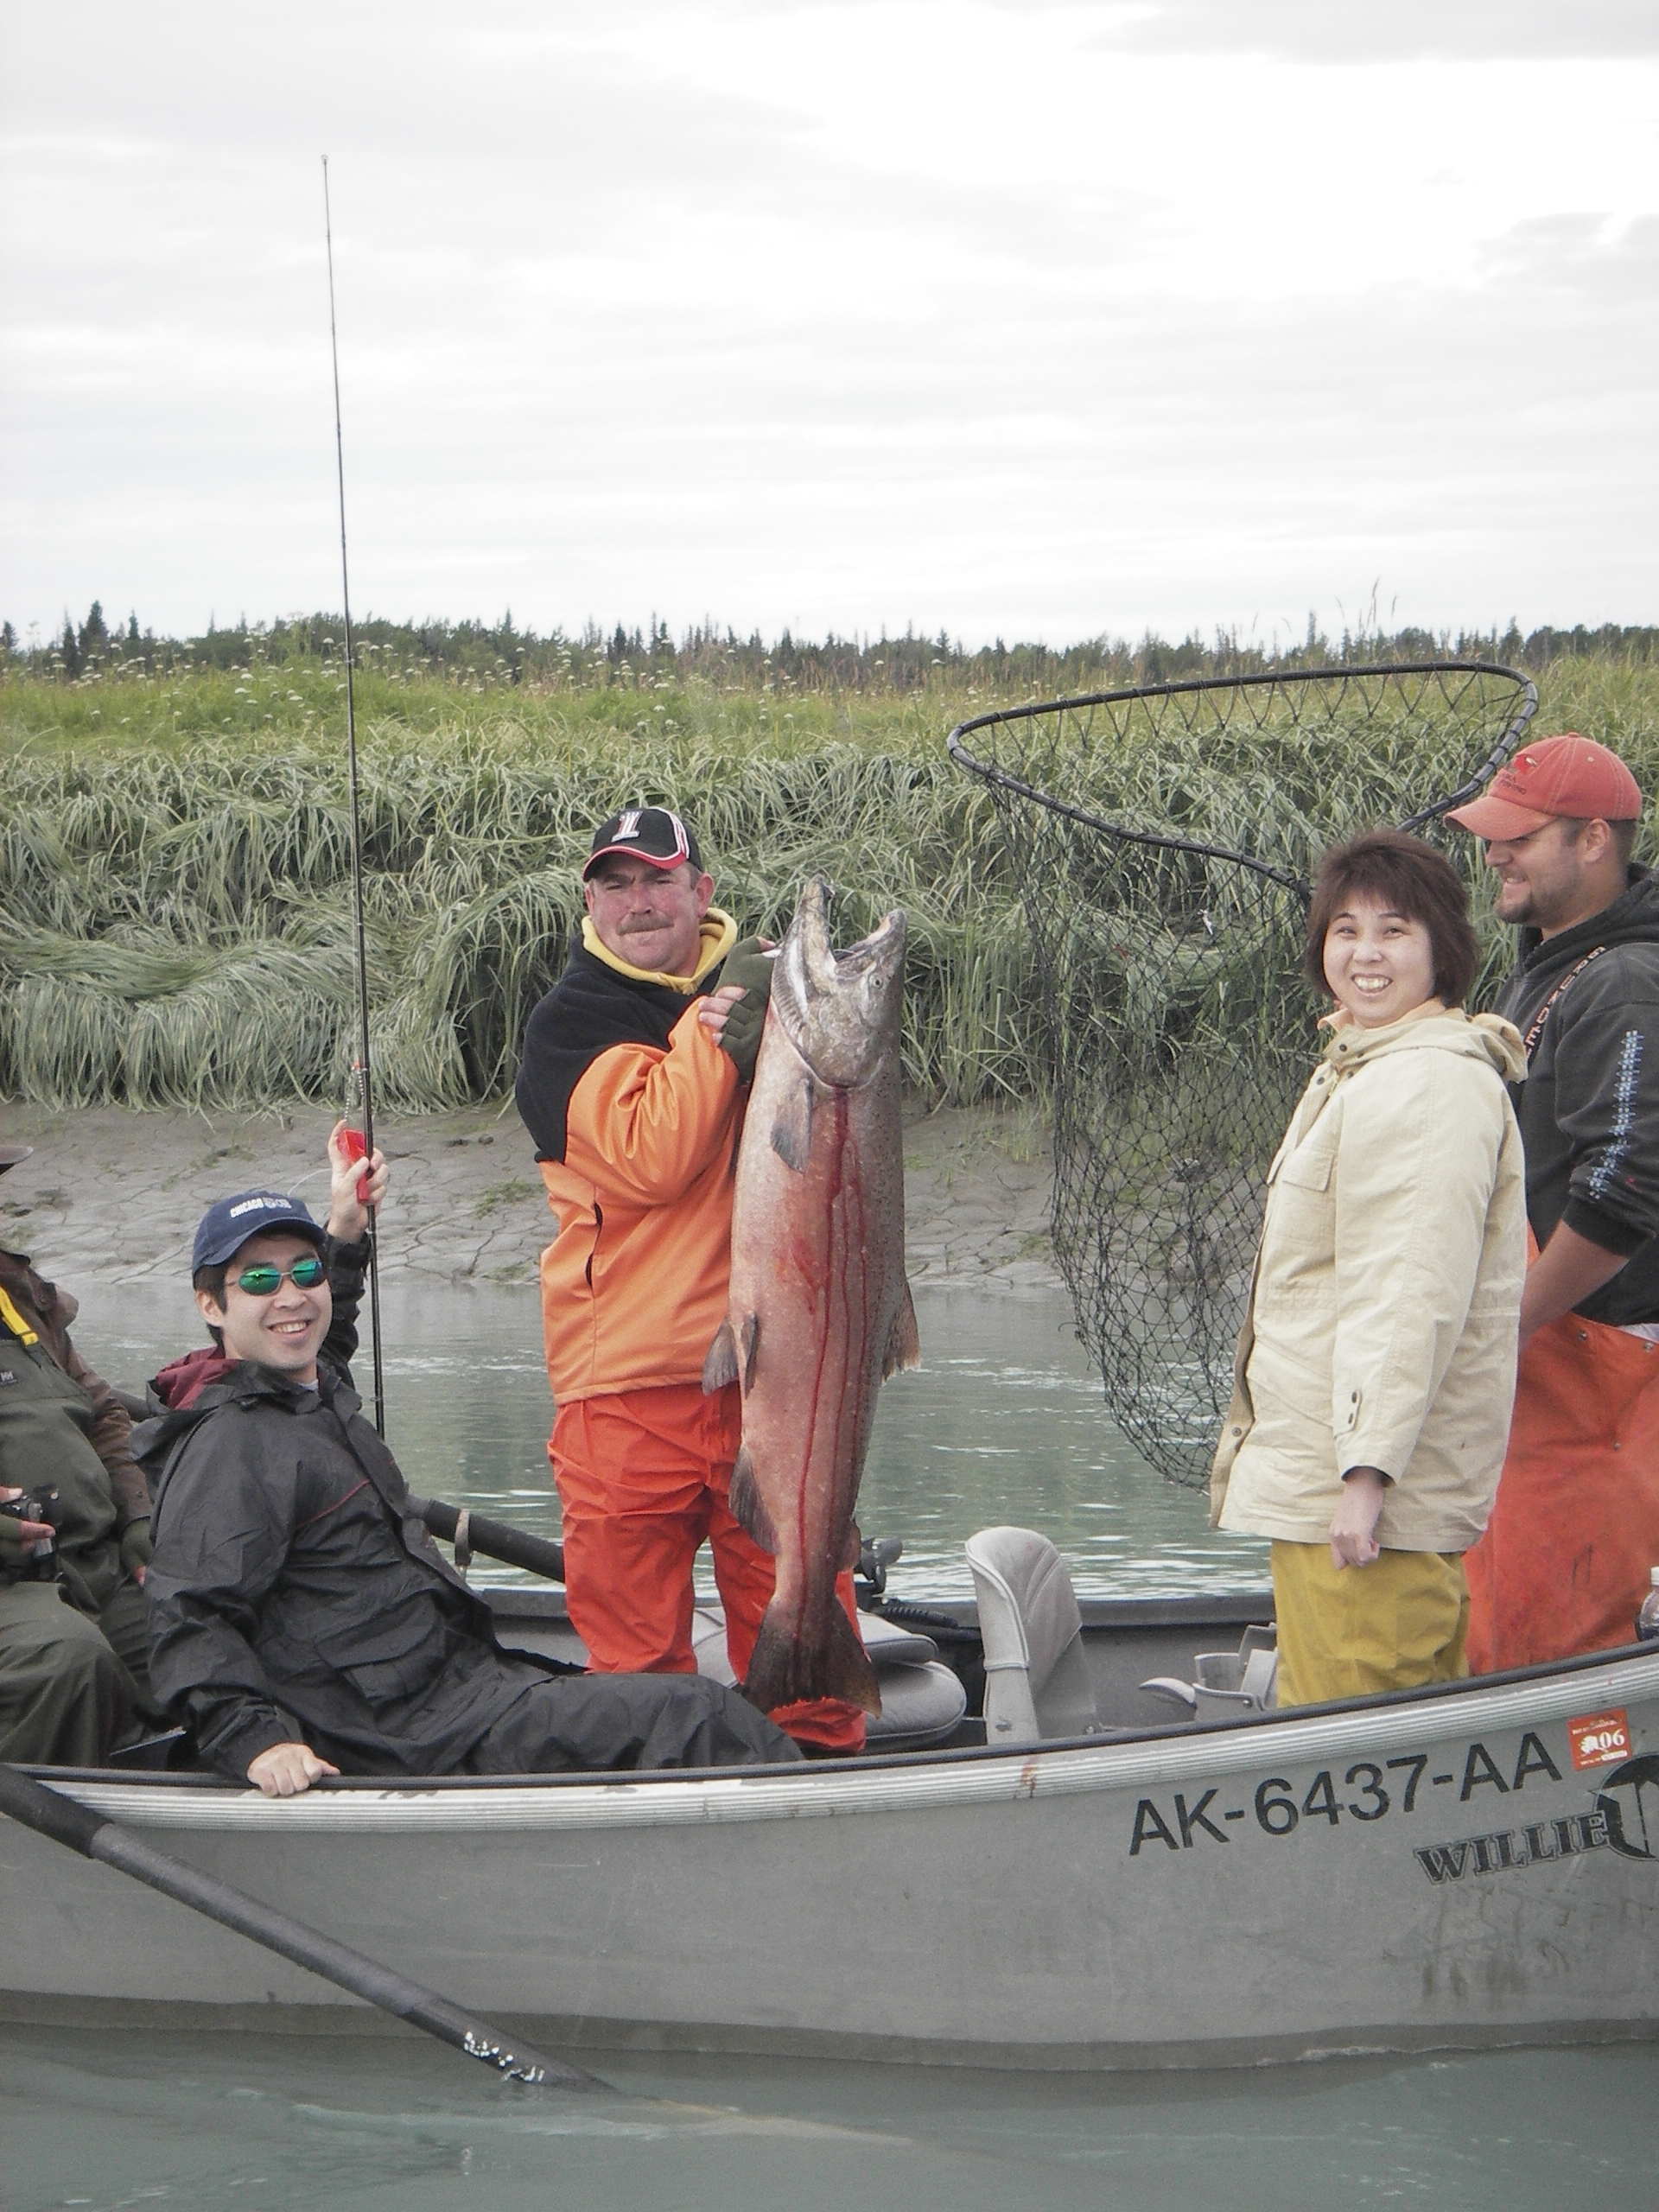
(1353, 1631)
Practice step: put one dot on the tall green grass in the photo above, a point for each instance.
(175, 860)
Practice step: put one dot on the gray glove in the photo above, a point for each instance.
(747, 964)
(136, 1549)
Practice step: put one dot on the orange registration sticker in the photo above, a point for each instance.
(1599, 1739)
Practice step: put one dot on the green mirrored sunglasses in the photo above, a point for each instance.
(261, 1281)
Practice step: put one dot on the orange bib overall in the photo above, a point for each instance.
(1565, 1561)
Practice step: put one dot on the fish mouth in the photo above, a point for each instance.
(841, 1009)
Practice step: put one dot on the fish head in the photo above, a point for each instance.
(840, 1010)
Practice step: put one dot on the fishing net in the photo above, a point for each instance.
(1164, 838)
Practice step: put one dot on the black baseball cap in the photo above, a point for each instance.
(650, 833)
(226, 1227)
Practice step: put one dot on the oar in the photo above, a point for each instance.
(50, 1814)
(61, 1819)
(471, 1532)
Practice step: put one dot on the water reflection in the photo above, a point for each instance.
(200, 2121)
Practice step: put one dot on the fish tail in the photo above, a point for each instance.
(786, 1667)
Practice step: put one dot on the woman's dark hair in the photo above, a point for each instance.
(1387, 868)
(212, 1280)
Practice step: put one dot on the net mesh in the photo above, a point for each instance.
(1164, 838)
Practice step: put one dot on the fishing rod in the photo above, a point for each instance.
(360, 1065)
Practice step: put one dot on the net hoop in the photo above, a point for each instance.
(1178, 1028)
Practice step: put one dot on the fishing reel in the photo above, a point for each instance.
(36, 1557)
(876, 1554)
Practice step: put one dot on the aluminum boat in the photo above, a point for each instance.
(1210, 1882)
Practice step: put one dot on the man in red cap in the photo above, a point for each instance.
(634, 1080)
(1565, 1562)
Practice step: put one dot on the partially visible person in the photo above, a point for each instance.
(1565, 1564)
(301, 1619)
(1376, 1365)
(633, 1085)
(73, 1675)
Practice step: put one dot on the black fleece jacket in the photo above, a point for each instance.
(293, 1596)
(1589, 1108)
(591, 1007)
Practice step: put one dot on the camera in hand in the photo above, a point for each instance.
(37, 1561)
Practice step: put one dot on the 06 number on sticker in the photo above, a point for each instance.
(1599, 1739)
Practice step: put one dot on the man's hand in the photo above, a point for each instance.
(287, 1769)
(137, 1550)
(18, 1538)
(348, 1215)
(735, 1015)
(1569, 1269)
(1352, 1543)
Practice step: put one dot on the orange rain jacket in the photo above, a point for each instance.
(634, 1284)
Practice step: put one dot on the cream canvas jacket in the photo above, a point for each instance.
(1385, 1311)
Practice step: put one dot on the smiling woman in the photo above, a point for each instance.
(1376, 1369)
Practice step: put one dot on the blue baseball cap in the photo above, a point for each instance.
(226, 1227)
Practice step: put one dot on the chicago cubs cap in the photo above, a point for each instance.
(226, 1227)
(650, 833)
(1568, 775)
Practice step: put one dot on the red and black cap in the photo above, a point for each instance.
(650, 833)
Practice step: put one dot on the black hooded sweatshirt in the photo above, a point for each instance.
(590, 1009)
(1588, 1002)
(294, 1595)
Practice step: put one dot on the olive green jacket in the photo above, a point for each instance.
(1385, 1311)
(63, 1427)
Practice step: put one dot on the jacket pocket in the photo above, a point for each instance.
(1283, 1386)
(1308, 1168)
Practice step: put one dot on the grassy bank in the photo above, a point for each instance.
(174, 852)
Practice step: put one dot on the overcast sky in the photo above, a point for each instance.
(1022, 319)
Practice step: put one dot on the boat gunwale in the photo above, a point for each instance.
(895, 1783)
(1173, 1730)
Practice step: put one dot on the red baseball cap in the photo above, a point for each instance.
(1568, 775)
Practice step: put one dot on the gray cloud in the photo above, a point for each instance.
(1350, 31)
(613, 340)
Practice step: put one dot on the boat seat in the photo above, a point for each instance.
(1227, 1683)
(922, 1701)
(1036, 1679)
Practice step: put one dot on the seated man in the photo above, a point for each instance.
(72, 1621)
(301, 1617)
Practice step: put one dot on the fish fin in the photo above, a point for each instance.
(791, 1129)
(904, 1343)
(751, 1335)
(785, 1669)
(748, 1507)
(853, 1550)
(721, 1366)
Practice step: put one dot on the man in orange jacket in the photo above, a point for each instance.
(635, 1072)
(1565, 1561)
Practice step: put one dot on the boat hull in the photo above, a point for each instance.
(1440, 1869)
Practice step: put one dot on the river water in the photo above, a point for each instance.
(1004, 1421)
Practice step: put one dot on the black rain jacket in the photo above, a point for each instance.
(293, 1596)
(1589, 1108)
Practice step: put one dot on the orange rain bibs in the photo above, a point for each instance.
(1565, 1562)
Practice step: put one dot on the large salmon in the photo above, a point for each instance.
(820, 1312)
